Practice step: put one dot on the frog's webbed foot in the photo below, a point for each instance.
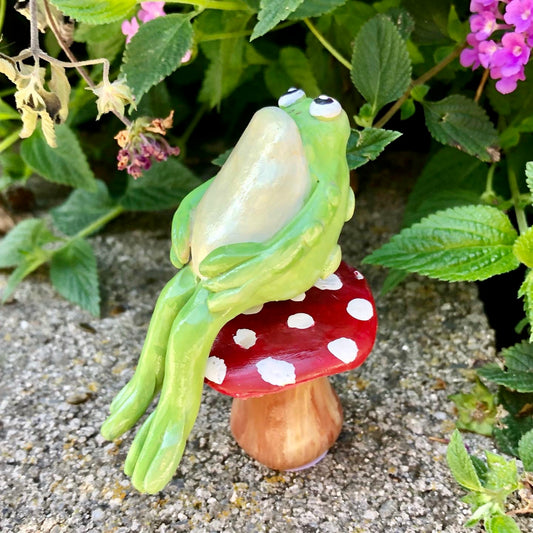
(132, 401)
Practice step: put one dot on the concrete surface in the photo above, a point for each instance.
(60, 369)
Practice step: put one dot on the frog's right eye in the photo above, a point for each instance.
(290, 97)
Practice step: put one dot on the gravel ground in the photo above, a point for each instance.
(60, 369)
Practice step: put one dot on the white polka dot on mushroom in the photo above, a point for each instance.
(245, 338)
(360, 309)
(215, 369)
(331, 283)
(276, 371)
(253, 310)
(299, 298)
(344, 349)
(300, 321)
(358, 275)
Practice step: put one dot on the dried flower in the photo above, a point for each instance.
(142, 143)
(113, 97)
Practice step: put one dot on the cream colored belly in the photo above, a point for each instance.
(260, 188)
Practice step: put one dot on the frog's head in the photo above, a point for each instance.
(322, 123)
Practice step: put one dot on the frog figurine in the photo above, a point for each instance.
(265, 228)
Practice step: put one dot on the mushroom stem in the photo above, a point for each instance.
(291, 428)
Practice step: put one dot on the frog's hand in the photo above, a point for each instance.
(181, 225)
(229, 256)
(132, 401)
(157, 450)
(286, 247)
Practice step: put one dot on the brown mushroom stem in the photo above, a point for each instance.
(288, 429)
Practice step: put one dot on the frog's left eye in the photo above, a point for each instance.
(290, 97)
(325, 107)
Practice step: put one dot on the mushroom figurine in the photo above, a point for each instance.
(274, 361)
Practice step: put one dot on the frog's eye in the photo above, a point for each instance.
(325, 107)
(290, 97)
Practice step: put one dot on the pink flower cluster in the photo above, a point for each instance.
(148, 11)
(505, 57)
(142, 143)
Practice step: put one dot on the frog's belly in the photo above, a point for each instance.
(260, 188)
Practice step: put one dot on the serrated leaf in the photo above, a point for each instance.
(525, 451)
(161, 187)
(65, 164)
(271, 13)
(523, 248)
(74, 275)
(381, 68)
(501, 524)
(526, 292)
(97, 11)
(403, 21)
(502, 475)
(365, 145)
(160, 43)
(449, 179)
(518, 372)
(460, 122)
(23, 238)
(291, 70)
(82, 208)
(226, 56)
(460, 244)
(460, 463)
(29, 263)
(105, 40)
(529, 176)
(315, 8)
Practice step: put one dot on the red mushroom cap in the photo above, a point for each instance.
(328, 330)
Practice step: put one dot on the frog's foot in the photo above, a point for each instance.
(333, 262)
(129, 405)
(157, 448)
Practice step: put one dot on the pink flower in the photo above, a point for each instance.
(520, 14)
(477, 6)
(513, 55)
(470, 56)
(151, 10)
(508, 84)
(487, 49)
(483, 24)
(129, 28)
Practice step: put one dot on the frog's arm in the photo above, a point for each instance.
(181, 225)
(231, 266)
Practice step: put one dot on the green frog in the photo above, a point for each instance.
(265, 228)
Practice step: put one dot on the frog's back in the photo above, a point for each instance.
(260, 188)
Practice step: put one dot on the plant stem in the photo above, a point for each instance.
(34, 32)
(98, 223)
(2, 13)
(327, 45)
(205, 37)
(481, 85)
(9, 140)
(515, 197)
(419, 81)
(224, 5)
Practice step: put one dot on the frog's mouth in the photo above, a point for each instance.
(263, 184)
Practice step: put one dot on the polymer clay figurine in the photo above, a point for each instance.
(265, 228)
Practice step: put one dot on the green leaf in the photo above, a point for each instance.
(271, 13)
(226, 56)
(403, 21)
(7, 112)
(29, 263)
(502, 475)
(431, 20)
(476, 410)
(367, 144)
(315, 8)
(291, 70)
(501, 523)
(525, 451)
(161, 187)
(160, 43)
(74, 275)
(97, 11)
(518, 372)
(65, 164)
(449, 179)
(82, 208)
(408, 109)
(460, 122)
(526, 292)
(105, 40)
(22, 239)
(459, 244)
(457, 30)
(460, 463)
(529, 176)
(222, 158)
(523, 248)
(381, 68)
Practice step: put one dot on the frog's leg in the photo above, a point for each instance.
(157, 449)
(332, 263)
(181, 225)
(132, 401)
